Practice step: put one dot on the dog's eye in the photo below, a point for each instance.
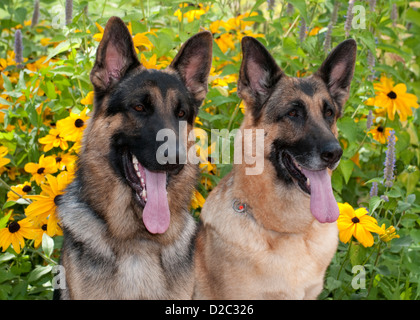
(292, 113)
(329, 113)
(139, 108)
(181, 113)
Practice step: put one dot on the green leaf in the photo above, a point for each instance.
(333, 283)
(357, 254)
(47, 244)
(413, 16)
(38, 272)
(6, 83)
(63, 46)
(4, 257)
(3, 221)
(50, 90)
(374, 203)
(300, 5)
(8, 204)
(346, 167)
(256, 5)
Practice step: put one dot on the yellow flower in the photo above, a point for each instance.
(314, 31)
(15, 233)
(65, 161)
(198, 121)
(140, 39)
(380, 134)
(356, 223)
(388, 234)
(98, 36)
(43, 228)
(21, 189)
(238, 24)
(45, 166)
(225, 42)
(216, 25)
(197, 200)
(54, 139)
(45, 204)
(73, 126)
(151, 63)
(242, 107)
(3, 152)
(37, 65)
(191, 15)
(45, 41)
(88, 99)
(393, 99)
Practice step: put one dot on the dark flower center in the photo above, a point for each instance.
(44, 227)
(392, 95)
(14, 227)
(380, 129)
(57, 199)
(79, 123)
(40, 170)
(58, 159)
(355, 220)
(26, 189)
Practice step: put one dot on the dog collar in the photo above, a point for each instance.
(238, 206)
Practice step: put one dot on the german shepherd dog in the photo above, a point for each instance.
(128, 233)
(272, 236)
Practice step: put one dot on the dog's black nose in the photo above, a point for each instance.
(331, 153)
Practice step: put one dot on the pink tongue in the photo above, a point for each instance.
(156, 215)
(323, 204)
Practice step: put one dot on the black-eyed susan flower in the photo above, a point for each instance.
(72, 127)
(356, 223)
(20, 189)
(393, 99)
(380, 134)
(54, 139)
(46, 165)
(42, 228)
(45, 204)
(16, 233)
(65, 160)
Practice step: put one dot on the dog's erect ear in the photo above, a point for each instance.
(114, 57)
(193, 64)
(337, 70)
(258, 74)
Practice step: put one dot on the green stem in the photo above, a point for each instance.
(378, 254)
(345, 259)
(43, 256)
(233, 115)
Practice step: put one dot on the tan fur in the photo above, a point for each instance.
(282, 254)
(278, 250)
